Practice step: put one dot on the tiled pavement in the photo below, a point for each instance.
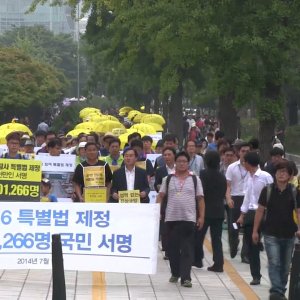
(232, 284)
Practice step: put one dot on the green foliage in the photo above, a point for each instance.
(25, 81)
(59, 50)
(70, 114)
(249, 128)
(292, 141)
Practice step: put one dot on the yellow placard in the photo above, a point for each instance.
(94, 176)
(20, 170)
(95, 195)
(45, 199)
(132, 196)
(114, 167)
(141, 164)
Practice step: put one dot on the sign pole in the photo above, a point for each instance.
(58, 274)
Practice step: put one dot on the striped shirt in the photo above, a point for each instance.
(181, 204)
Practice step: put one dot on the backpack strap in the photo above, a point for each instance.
(269, 192)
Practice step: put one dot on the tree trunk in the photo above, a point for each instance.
(175, 114)
(165, 112)
(228, 117)
(265, 136)
(267, 122)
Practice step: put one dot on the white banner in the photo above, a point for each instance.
(95, 236)
(62, 163)
(59, 170)
(153, 157)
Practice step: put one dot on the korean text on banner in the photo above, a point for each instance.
(95, 236)
(94, 176)
(20, 180)
(132, 196)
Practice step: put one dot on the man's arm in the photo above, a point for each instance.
(259, 214)
(201, 211)
(160, 197)
(229, 200)
(77, 189)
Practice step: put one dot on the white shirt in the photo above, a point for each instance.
(236, 175)
(169, 170)
(196, 164)
(254, 184)
(130, 175)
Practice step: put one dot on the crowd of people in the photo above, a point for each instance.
(209, 182)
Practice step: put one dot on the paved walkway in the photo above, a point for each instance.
(232, 284)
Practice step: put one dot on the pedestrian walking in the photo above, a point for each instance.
(275, 206)
(184, 211)
(255, 182)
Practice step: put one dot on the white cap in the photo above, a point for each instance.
(278, 145)
(81, 144)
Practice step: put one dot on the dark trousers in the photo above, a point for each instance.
(181, 235)
(232, 216)
(253, 249)
(216, 241)
(163, 236)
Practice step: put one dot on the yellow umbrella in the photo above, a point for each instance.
(157, 126)
(146, 128)
(87, 125)
(118, 131)
(132, 130)
(125, 109)
(153, 118)
(108, 125)
(3, 134)
(123, 138)
(93, 118)
(112, 118)
(16, 127)
(132, 114)
(88, 110)
(137, 118)
(76, 132)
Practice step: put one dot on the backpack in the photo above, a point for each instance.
(294, 195)
(165, 202)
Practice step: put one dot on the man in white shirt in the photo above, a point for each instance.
(256, 180)
(235, 176)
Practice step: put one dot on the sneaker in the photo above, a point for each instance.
(255, 281)
(276, 296)
(213, 268)
(173, 279)
(245, 260)
(187, 283)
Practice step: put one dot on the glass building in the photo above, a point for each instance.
(57, 19)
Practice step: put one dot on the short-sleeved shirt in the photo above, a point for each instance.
(181, 205)
(78, 174)
(236, 174)
(279, 214)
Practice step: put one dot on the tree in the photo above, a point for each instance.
(26, 83)
(59, 50)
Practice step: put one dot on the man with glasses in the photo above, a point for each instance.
(184, 211)
(236, 177)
